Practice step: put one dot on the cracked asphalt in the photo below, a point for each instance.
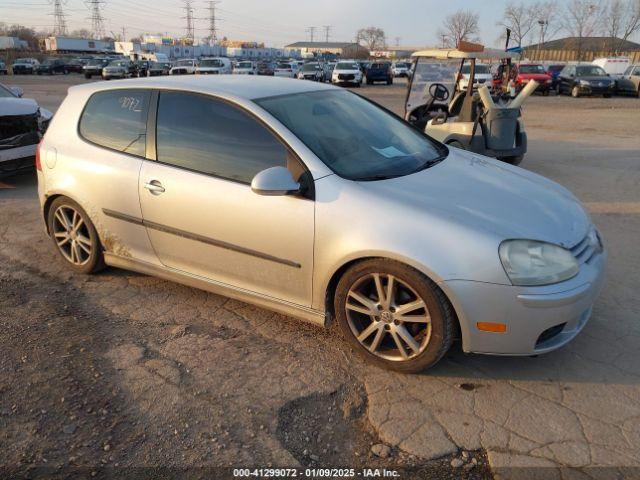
(120, 370)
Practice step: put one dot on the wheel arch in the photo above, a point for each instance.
(330, 289)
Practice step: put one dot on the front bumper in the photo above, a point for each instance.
(597, 90)
(13, 160)
(538, 319)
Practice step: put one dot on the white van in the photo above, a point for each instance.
(614, 66)
(215, 66)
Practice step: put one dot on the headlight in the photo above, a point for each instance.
(530, 262)
(585, 83)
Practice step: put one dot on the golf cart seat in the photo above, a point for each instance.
(455, 105)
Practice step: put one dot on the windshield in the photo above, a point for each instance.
(185, 63)
(402, 65)
(532, 69)
(117, 63)
(6, 93)
(287, 66)
(355, 138)
(245, 65)
(211, 63)
(95, 62)
(310, 67)
(590, 71)
(484, 69)
(347, 66)
(379, 66)
(556, 68)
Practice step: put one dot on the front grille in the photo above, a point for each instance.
(549, 333)
(13, 126)
(346, 76)
(587, 248)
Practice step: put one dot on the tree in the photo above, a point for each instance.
(81, 33)
(23, 33)
(373, 38)
(581, 18)
(461, 25)
(520, 19)
(621, 19)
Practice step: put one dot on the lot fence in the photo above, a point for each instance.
(563, 56)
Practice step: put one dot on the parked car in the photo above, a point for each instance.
(24, 66)
(379, 72)
(74, 65)
(94, 67)
(51, 66)
(118, 69)
(245, 67)
(184, 67)
(482, 75)
(578, 80)
(266, 68)
(3, 68)
(141, 68)
(311, 71)
(216, 66)
(347, 73)
(401, 69)
(286, 69)
(531, 71)
(629, 83)
(22, 123)
(554, 72)
(252, 189)
(158, 68)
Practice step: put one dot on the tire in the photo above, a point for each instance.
(83, 236)
(575, 92)
(607, 95)
(545, 93)
(432, 338)
(515, 160)
(457, 144)
(86, 75)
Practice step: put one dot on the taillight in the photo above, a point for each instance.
(38, 163)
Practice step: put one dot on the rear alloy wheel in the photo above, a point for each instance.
(74, 236)
(393, 315)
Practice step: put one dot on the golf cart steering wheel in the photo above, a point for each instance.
(439, 92)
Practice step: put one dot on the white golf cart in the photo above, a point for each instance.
(471, 118)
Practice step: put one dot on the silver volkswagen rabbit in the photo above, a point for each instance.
(314, 202)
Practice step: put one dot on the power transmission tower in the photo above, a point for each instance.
(97, 21)
(213, 32)
(59, 22)
(311, 31)
(397, 39)
(188, 8)
(327, 30)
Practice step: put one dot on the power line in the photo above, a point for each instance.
(59, 22)
(97, 21)
(327, 30)
(311, 31)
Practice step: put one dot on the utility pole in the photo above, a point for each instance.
(97, 21)
(188, 8)
(311, 31)
(213, 33)
(59, 22)
(124, 36)
(543, 26)
(444, 40)
(327, 30)
(397, 39)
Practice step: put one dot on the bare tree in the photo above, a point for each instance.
(373, 38)
(461, 25)
(581, 18)
(520, 19)
(621, 19)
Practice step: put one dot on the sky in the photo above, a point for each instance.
(274, 22)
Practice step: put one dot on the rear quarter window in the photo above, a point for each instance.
(117, 119)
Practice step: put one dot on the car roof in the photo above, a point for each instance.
(245, 87)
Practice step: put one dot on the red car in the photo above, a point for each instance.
(528, 72)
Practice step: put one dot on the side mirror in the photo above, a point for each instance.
(275, 181)
(17, 91)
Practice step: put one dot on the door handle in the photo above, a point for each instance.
(155, 187)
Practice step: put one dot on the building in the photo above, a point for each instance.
(582, 49)
(12, 43)
(342, 49)
(396, 52)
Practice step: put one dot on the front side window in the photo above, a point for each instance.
(213, 137)
(117, 119)
(353, 137)
(590, 71)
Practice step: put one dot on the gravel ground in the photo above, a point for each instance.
(121, 374)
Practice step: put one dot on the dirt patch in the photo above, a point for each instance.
(330, 430)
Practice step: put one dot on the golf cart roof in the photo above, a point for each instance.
(446, 53)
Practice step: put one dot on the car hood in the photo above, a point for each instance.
(486, 194)
(348, 72)
(18, 106)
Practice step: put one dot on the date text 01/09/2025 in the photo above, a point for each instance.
(315, 473)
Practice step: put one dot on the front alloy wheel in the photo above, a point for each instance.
(394, 315)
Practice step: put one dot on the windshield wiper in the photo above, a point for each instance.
(376, 177)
